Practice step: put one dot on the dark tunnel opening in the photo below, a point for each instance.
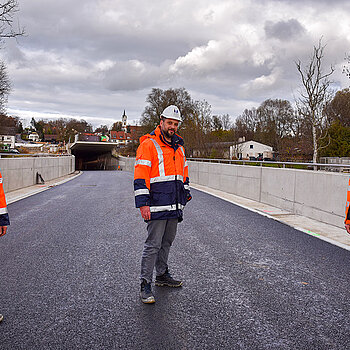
(94, 157)
(95, 161)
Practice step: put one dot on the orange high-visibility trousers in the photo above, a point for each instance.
(347, 213)
(3, 206)
(4, 217)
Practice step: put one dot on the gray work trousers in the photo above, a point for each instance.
(161, 234)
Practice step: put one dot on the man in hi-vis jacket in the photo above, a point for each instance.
(162, 190)
(347, 210)
(4, 217)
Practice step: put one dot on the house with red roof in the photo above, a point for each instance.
(120, 137)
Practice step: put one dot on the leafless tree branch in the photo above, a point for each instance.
(315, 94)
(8, 9)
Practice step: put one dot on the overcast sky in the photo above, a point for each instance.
(92, 59)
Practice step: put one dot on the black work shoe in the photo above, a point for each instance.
(1, 317)
(167, 280)
(146, 293)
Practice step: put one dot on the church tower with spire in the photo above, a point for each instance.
(124, 119)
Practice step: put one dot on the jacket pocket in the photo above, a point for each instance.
(163, 194)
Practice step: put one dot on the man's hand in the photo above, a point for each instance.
(347, 227)
(145, 212)
(3, 230)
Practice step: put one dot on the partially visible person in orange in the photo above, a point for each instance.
(347, 211)
(4, 217)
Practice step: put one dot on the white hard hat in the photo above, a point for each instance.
(171, 112)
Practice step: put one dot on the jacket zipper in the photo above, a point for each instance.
(176, 197)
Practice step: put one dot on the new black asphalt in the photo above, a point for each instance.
(69, 269)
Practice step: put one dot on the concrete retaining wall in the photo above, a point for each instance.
(126, 163)
(21, 172)
(316, 194)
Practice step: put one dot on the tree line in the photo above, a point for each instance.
(64, 129)
(275, 123)
(61, 129)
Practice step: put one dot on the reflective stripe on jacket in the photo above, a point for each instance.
(161, 176)
(4, 218)
(347, 212)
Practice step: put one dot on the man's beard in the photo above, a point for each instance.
(166, 133)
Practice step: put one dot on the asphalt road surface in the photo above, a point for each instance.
(70, 276)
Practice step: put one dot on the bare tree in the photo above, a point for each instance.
(103, 129)
(315, 94)
(117, 126)
(346, 67)
(217, 123)
(276, 120)
(246, 124)
(5, 86)
(8, 9)
(159, 99)
(7, 12)
(195, 128)
(226, 122)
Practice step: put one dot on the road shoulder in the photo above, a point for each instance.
(329, 233)
(25, 192)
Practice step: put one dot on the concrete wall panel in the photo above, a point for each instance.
(248, 182)
(229, 183)
(203, 178)
(21, 171)
(321, 195)
(227, 169)
(27, 177)
(14, 179)
(126, 163)
(315, 194)
(214, 174)
(277, 187)
(193, 172)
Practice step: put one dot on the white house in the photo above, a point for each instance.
(34, 137)
(251, 150)
(8, 140)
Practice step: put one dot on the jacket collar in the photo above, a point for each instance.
(176, 140)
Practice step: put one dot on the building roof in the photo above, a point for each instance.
(50, 136)
(255, 142)
(8, 130)
(120, 135)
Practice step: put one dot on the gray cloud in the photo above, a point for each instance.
(132, 75)
(284, 30)
(98, 57)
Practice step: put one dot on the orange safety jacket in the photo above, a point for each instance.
(347, 212)
(4, 217)
(161, 176)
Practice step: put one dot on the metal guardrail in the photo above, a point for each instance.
(306, 166)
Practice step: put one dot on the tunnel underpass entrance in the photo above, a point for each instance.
(94, 155)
